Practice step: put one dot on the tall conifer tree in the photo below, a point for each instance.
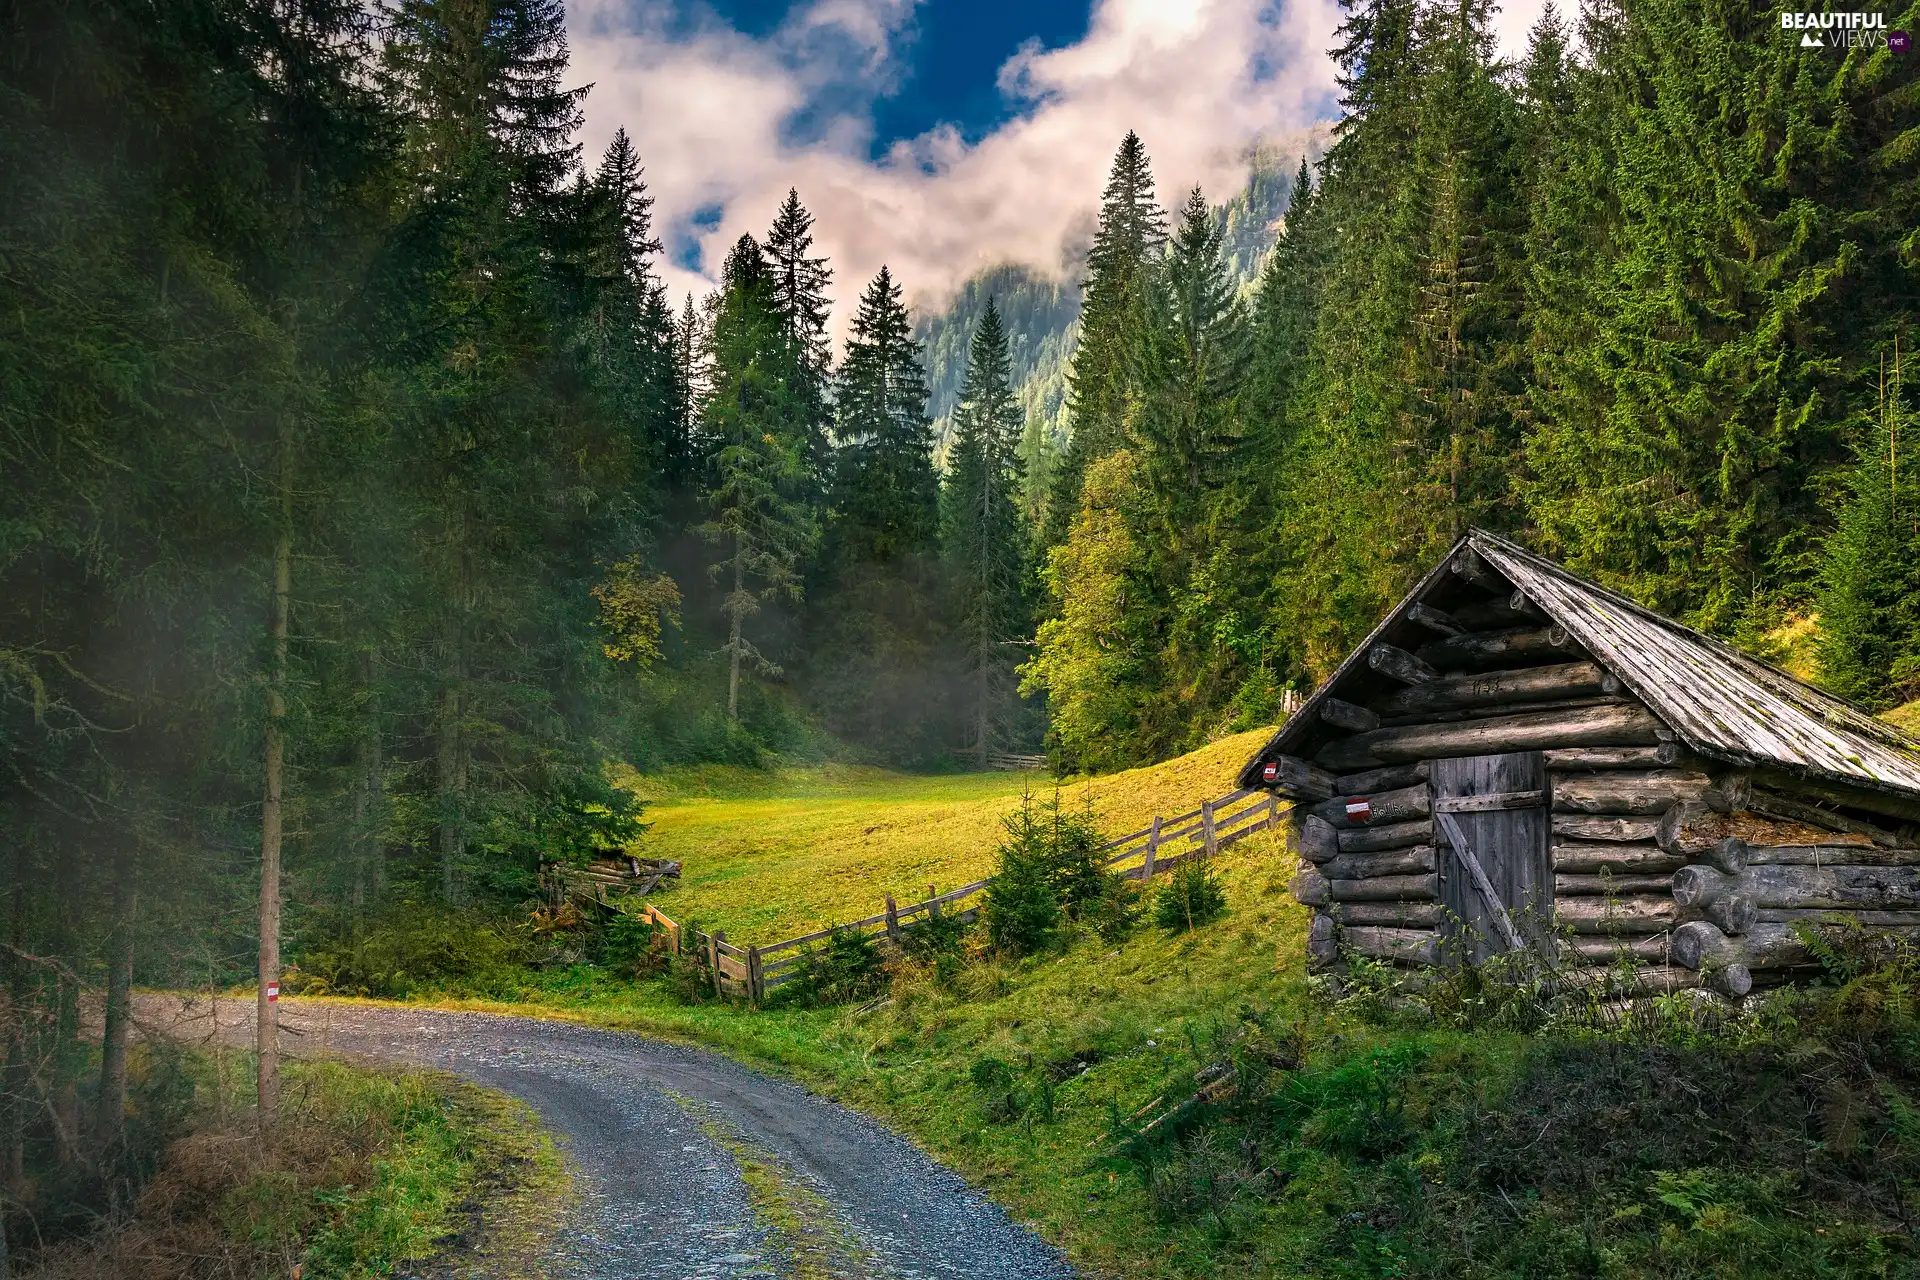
(985, 536)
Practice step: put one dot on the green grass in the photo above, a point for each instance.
(772, 855)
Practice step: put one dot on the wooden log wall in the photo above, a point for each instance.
(1668, 861)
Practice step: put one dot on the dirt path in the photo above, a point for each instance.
(691, 1165)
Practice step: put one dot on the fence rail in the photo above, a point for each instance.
(753, 973)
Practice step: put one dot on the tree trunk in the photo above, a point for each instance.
(735, 616)
(110, 1105)
(369, 861)
(13, 1106)
(452, 788)
(266, 1010)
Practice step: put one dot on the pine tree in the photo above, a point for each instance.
(1869, 601)
(984, 535)
(875, 621)
(1131, 232)
(761, 527)
(800, 300)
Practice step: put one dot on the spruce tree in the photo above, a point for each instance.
(800, 300)
(1869, 598)
(755, 517)
(1131, 231)
(984, 536)
(875, 624)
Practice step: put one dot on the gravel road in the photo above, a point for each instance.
(691, 1165)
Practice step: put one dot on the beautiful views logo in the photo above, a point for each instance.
(1844, 31)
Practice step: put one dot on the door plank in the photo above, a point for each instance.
(1512, 846)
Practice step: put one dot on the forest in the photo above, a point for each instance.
(365, 495)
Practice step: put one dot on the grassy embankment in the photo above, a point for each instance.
(1462, 1133)
(366, 1171)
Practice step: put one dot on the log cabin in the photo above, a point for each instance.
(1517, 759)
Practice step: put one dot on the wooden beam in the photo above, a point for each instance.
(1494, 688)
(1613, 725)
(1622, 859)
(1586, 886)
(1780, 806)
(1699, 944)
(1470, 566)
(1648, 948)
(1295, 778)
(1392, 835)
(1636, 794)
(1513, 610)
(1386, 807)
(1578, 758)
(1397, 664)
(1424, 888)
(1346, 715)
(1407, 946)
(1624, 830)
(1803, 888)
(1634, 913)
(1309, 888)
(1435, 620)
(1316, 838)
(1418, 860)
(1499, 648)
(1399, 915)
(1323, 947)
(1391, 778)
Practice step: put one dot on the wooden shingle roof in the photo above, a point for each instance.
(1718, 701)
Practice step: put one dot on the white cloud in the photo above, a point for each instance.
(724, 120)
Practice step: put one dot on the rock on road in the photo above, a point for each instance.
(690, 1165)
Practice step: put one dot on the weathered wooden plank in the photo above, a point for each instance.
(1633, 793)
(1579, 759)
(1391, 778)
(1342, 714)
(1435, 620)
(1640, 980)
(1846, 888)
(1612, 725)
(1699, 944)
(1587, 886)
(1397, 664)
(1826, 855)
(1506, 612)
(1389, 835)
(1417, 888)
(1289, 776)
(1698, 827)
(1406, 946)
(1470, 565)
(1776, 805)
(1841, 919)
(1416, 860)
(1632, 913)
(1605, 827)
(1490, 803)
(1309, 888)
(1499, 648)
(1646, 948)
(1315, 839)
(1367, 811)
(1323, 946)
(1498, 688)
(1399, 915)
(1576, 857)
(1510, 846)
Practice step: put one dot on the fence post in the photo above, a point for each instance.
(713, 960)
(1153, 849)
(756, 991)
(1273, 811)
(933, 902)
(1212, 841)
(893, 921)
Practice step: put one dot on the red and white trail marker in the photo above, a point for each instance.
(1359, 811)
(273, 992)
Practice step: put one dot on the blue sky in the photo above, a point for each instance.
(952, 51)
(940, 137)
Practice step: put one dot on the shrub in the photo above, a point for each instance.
(847, 968)
(1022, 908)
(1190, 898)
(414, 947)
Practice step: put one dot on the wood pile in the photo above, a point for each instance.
(604, 879)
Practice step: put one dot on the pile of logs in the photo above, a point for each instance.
(604, 879)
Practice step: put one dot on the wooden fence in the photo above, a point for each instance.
(753, 972)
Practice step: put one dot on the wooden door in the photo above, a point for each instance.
(1499, 806)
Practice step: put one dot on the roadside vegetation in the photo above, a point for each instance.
(1174, 1098)
(365, 1172)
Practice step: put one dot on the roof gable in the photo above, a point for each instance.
(1720, 702)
